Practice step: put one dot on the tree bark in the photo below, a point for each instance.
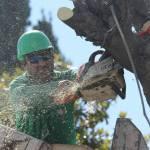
(11, 139)
(93, 20)
(127, 136)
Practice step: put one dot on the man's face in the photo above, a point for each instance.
(40, 65)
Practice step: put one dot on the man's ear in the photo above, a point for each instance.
(23, 63)
(52, 54)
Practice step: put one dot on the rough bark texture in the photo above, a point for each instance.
(93, 20)
(10, 139)
(13, 20)
(127, 137)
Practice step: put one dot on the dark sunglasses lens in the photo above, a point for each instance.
(45, 58)
(36, 59)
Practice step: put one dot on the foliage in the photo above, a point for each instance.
(147, 138)
(14, 18)
(6, 77)
(88, 116)
(122, 114)
(6, 110)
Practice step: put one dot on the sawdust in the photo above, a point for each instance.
(65, 92)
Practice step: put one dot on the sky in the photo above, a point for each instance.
(77, 50)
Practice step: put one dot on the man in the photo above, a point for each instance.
(36, 112)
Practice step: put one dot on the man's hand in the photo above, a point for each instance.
(145, 30)
(146, 26)
(80, 72)
(66, 92)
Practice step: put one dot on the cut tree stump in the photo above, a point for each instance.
(10, 139)
(127, 136)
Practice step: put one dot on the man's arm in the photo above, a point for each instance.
(67, 90)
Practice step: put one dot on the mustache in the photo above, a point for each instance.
(45, 68)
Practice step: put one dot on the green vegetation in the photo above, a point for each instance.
(6, 110)
(88, 117)
(14, 19)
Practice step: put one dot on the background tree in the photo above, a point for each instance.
(14, 18)
(88, 118)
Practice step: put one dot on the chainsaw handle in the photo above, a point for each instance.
(93, 55)
(121, 93)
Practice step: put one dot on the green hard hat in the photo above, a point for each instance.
(32, 41)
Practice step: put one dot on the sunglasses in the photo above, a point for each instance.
(37, 58)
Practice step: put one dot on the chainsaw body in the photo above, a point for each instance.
(102, 80)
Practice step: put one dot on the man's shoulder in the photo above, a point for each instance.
(22, 79)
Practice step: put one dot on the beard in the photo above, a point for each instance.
(44, 74)
(41, 74)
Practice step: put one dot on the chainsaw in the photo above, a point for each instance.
(101, 80)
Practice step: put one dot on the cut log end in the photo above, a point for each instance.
(64, 13)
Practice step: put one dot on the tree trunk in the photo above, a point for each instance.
(127, 137)
(94, 21)
(11, 139)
